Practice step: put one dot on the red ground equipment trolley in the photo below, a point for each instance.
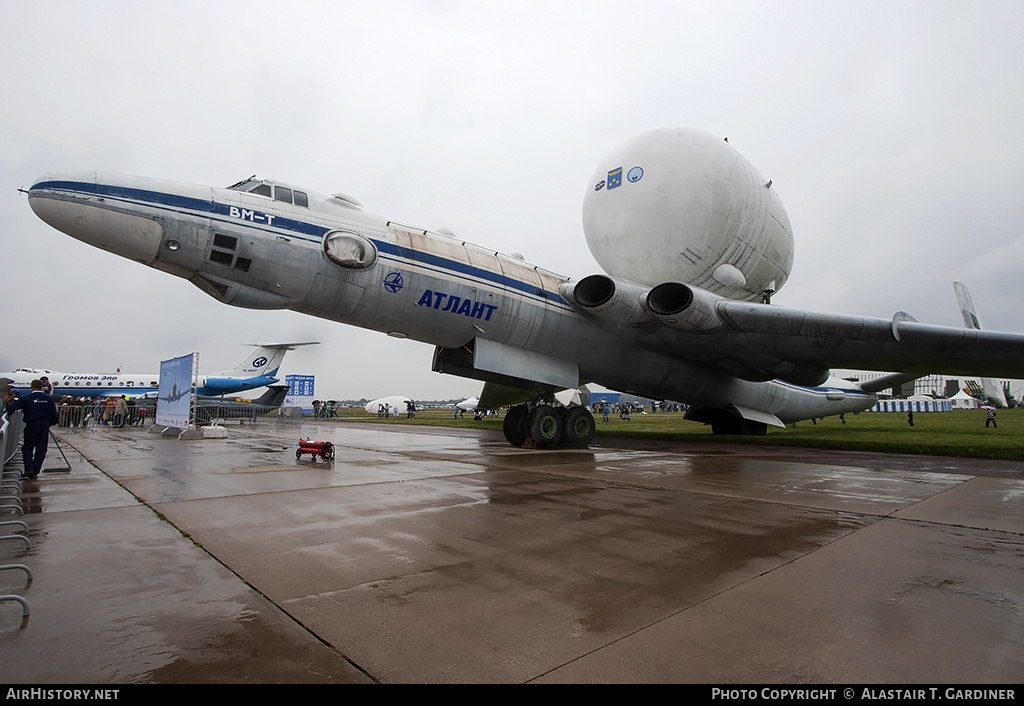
(323, 449)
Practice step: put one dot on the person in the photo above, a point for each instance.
(120, 411)
(910, 417)
(39, 412)
(991, 417)
(47, 387)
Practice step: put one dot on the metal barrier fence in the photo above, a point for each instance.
(249, 414)
(11, 429)
(96, 413)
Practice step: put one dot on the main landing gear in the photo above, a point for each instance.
(549, 426)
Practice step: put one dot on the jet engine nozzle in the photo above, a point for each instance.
(685, 307)
(608, 299)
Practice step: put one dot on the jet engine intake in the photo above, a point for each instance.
(684, 307)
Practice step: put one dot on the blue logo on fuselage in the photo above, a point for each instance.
(394, 282)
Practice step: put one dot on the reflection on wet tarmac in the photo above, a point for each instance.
(444, 556)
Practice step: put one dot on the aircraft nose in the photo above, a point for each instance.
(96, 209)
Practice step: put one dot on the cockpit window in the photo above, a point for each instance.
(283, 194)
(244, 185)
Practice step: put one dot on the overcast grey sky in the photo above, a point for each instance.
(891, 130)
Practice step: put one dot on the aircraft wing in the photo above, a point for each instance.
(901, 344)
(761, 342)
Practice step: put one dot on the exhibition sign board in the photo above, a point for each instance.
(300, 391)
(177, 390)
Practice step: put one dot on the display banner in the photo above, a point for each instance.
(177, 385)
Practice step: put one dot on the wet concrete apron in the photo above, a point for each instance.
(448, 556)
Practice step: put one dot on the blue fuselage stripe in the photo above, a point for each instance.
(291, 225)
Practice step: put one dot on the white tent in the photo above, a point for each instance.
(961, 400)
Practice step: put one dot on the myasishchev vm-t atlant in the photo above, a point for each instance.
(692, 239)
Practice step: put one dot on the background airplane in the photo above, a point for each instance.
(468, 405)
(993, 392)
(693, 240)
(257, 369)
(211, 409)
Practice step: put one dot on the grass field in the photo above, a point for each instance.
(939, 434)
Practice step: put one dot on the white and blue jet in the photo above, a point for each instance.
(692, 239)
(258, 369)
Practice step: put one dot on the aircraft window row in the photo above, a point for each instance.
(278, 193)
(223, 258)
(226, 255)
(129, 383)
(228, 242)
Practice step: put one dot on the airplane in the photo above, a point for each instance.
(693, 242)
(212, 408)
(468, 405)
(257, 369)
(993, 393)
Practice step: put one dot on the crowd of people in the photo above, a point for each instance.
(324, 410)
(624, 409)
(108, 411)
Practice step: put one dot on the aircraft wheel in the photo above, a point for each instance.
(514, 425)
(545, 425)
(579, 428)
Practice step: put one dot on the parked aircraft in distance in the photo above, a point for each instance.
(993, 393)
(693, 240)
(257, 369)
(468, 405)
(210, 409)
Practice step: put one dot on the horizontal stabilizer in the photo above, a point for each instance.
(756, 415)
(884, 382)
(283, 346)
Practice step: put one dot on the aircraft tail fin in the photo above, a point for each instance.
(993, 392)
(265, 360)
(273, 397)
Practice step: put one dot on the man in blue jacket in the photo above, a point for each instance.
(39, 412)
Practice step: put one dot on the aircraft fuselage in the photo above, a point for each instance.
(492, 316)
